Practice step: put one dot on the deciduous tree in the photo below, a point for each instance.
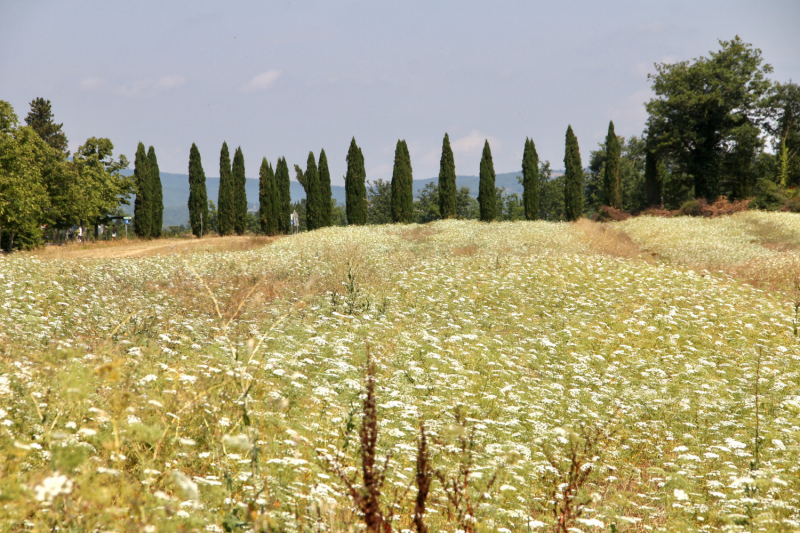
(706, 116)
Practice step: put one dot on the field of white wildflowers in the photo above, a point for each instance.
(213, 391)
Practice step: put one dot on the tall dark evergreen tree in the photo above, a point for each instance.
(355, 186)
(402, 186)
(40, 118)
(142, 206)
(198, 199)
(313, 195)
(573, 178)
(326, 211)
(611, 186)
(239, 193)
(157, 206)
(284, 195)
(267, 199)
(447, 181)
(530, 181)
(226, 201)
(487, 197)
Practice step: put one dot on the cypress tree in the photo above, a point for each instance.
(398, 178)
(239, 193)
(652, 177)
(142, 210)
(487, 197)
(573, 178)
(447, 181)
(198, 199)
(355, 186)
(326, 211)
(407, 191)
(157, 205)
(226, 201)
(267, 199)
(313, 195)
(284, 195)
(530, 181)
(611, 187)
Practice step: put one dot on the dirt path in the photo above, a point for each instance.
(135, 248)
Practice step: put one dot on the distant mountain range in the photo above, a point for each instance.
(176, 192)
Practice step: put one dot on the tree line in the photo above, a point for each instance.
(717, 126)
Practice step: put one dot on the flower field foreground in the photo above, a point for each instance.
(223, 391)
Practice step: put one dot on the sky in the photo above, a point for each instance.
(285, 78)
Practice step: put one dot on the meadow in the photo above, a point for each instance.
(631, 376)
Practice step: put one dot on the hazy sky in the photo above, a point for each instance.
(283, 78)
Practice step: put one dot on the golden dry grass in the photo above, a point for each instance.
(139, 248)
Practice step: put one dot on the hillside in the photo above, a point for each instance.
(176, 192)
(649, 368)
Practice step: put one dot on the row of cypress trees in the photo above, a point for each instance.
(275, 200)
(148, 208)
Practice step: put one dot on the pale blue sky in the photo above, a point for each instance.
(283, 78)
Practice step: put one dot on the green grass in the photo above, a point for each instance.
(134, 397)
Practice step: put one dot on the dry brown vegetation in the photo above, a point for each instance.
(139, 248)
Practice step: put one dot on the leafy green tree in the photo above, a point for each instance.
(314, 201)
(23, 194)
(706, 116)
(326, 218)
(284, 198)
(402, 193)
(355, 186)
(447, 181)
(487, 198)
(653, 182)
(573, 178)
(198, 198)
(509, 206)
(226, 199)
(630, 175)
(466, 206)
(101, 188)
(530, 181)
(40, 118)
(267, 199)
(551, 194)
(157, 215)
(784, 126)
(338, 214)
(143, 205)
(239, 182)
(426, 206)
(611, 187)
(379, 202)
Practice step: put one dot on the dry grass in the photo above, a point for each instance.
(610, 240)
(138, 248)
